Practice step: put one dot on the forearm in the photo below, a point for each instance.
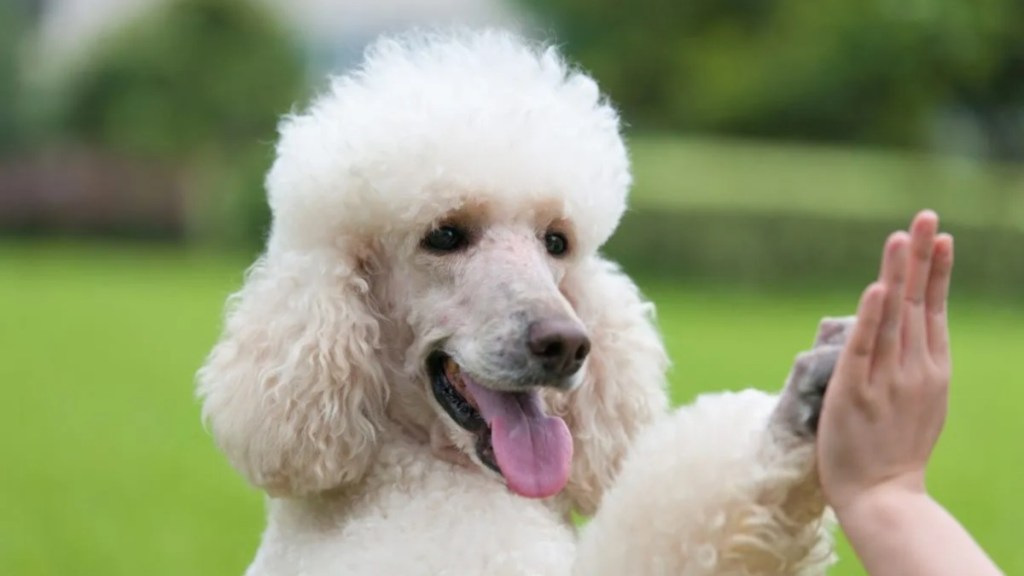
(910, 534)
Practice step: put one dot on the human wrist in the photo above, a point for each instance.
(885, 507)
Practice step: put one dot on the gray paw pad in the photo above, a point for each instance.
(807, 384)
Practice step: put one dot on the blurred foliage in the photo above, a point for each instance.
(879, 72)
(200, 82)
(12, 26)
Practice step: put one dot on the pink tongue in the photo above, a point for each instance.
(534, 450)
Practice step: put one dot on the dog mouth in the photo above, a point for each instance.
(514, 437)
(450, 392)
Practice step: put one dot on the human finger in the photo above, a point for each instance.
(893, 277)
(937, 295)
(854, 363)
(922, 241)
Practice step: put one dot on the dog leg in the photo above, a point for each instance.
(726, 485)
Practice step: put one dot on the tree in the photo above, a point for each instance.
(201, 83)
(12, 24)
(839, 70)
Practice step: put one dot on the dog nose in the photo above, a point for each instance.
(560, 345)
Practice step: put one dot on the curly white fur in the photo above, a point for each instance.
(731, 495)
(318, 392)
(426, 119)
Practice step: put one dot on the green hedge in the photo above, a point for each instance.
(800, 250)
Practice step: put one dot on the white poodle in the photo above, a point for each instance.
(431, 367)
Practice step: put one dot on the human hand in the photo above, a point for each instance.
(886, 403)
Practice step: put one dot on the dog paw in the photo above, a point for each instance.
(800, 403)
(834, 331)
(805, 389)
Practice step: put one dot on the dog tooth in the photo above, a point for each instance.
(452, 366)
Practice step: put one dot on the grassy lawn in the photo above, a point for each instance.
(107, 470)
(675, 172)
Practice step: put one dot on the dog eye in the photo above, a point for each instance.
(445, 239)
(556, 243)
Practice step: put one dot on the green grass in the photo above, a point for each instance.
(105, 468)
(702, 173)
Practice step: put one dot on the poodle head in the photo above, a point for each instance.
(429, 212)
(429, 122)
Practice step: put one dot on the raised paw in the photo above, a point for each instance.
(834, 331)
(805, 388)
(800, 403)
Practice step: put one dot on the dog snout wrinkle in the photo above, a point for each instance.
(559, 345)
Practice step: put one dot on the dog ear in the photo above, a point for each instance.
(623, 388)
(292, 391)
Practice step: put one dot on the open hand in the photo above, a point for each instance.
(886, 403)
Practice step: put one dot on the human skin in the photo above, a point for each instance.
(884, 410)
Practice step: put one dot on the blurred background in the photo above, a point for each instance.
(775, 143)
